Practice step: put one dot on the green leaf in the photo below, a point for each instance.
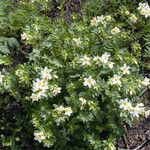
(4, 49)
(12, 42)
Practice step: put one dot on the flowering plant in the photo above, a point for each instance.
(80, 82)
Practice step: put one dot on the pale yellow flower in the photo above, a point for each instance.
(56, 90)
(115, 79)
(77, 41)
(46, 73)
(83, 101)
(40, 85)
(68, 111)
(125, 69)
(35, 97)
(138, 110)
(89, 82)
(39, 136)
(127, 12)
(115, 30)
(101, 19)
(133, 18)
(144, 9)
(108, 18)
(59, 109)
(97, 20)
(94, 22)
(104, 58)
(25, 36)
(86, 60)
(125, 105)
(110, 65)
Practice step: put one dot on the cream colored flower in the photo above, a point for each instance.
(68, 111)
(94, 22)
(125, 69)
(101, 19)
(86, 60)
(127, 12)
(59, 109)
(125, 104)
(83, 101)
(138, 110)
(108, 18)
(146, 13)
(144, 9)
(56, 90)
(40, 85)
(115, 30)
(77, 41)
(115, 79)
(25, 36)
(46, 73)
(133, 18)
(97, 20)
(110, 65)
(89, 82)
(104, 58)
(39, 136)
(35, 97)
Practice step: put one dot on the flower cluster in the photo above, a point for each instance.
(104, 59)
(144, 9)
(40, 86)
(116, 79)
(67, 111)
(136, 111)
(100, 20)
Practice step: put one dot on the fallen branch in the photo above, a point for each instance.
(141, 146)
(125, 139)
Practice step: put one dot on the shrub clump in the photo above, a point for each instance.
(80, 83)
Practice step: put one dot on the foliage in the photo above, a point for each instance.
(80, 82)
